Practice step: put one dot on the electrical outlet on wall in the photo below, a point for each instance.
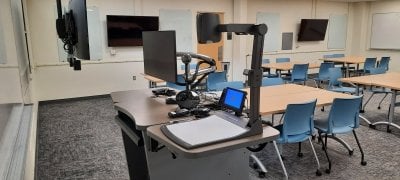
(134, 78)
(113, 52)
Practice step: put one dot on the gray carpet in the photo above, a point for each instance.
(78, 139)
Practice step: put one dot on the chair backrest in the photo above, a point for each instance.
(272, 81)
(281, 60)
(265, 61)
(214, 78)
(337, 55)
(299, 72)
(344, 113)
(384, 62)
(328, 56)
(334, 75)
(323, 73)
(369, 63)
(233, 84)
(299, 119)
(191, 66)
(379, 70)
(180, 79)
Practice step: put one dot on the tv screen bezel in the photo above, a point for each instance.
(305, 29)
(154, 19)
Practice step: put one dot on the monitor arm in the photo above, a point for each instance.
(191, 77)
(255, 74)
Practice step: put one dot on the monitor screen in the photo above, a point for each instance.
(159, 54)
(127, 30)
(312, 29)
(233, 99)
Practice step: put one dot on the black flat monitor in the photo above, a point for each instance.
(233, 99)
(159, 54)
(79, 15)
(127, 30)
(312, 29)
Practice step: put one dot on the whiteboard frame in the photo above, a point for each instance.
(371, 33)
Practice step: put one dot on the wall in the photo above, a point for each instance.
(291, 12)
(361, 43)
(55, 80)
(10, 88)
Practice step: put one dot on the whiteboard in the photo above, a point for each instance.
(337, 31)
(272, 40)
(385, 31)
(3, 57)
(181, 22)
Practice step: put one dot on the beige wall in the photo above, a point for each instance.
(55, 80)
(362, 30)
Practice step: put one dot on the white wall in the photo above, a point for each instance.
(55, 80)
(10, 88)
(362, 30)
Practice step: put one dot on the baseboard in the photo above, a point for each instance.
(73, 99)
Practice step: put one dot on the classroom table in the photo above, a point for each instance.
(347, 61)
(141, 115)
(152, 80)
(287, 66)
(389, 80)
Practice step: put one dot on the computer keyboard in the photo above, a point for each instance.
(232, 118)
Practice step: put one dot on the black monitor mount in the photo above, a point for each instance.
(187, 98)
(209, 30)
(66, 31)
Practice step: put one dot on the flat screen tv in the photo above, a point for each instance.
(159, 55)
(312, 29)
(127, 30)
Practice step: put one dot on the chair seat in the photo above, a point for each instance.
(291, 138)
(345, 89)
(322, 125)
(380, 90)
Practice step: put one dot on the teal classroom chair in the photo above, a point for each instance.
(272, 81)
(343, 118)
(298, 126)
(384, 62)
(377, 90)
(323, 74)
(180, 79)
(299, 74)
(214, 78)
(335, 85)
(232, 84)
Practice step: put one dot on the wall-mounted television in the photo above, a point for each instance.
(312, 29)
(127, 30)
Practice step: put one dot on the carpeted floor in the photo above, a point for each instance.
(78, 139)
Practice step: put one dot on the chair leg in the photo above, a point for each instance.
(300, 154)
(326, 151)
(259, 166)
(280, 159)
(316, 158)
(316, 84)
(363, 107)
(363, 162)
(380, 102)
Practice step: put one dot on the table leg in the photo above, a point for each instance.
(361, 110)
(347, 70)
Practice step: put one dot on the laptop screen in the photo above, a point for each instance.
(233, 99)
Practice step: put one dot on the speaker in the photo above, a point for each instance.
(207, 28)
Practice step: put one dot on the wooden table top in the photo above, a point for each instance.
(274, 99)
(389, 80)
(285, 66)
(347, 59)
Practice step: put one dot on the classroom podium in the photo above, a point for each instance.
(151, 155)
